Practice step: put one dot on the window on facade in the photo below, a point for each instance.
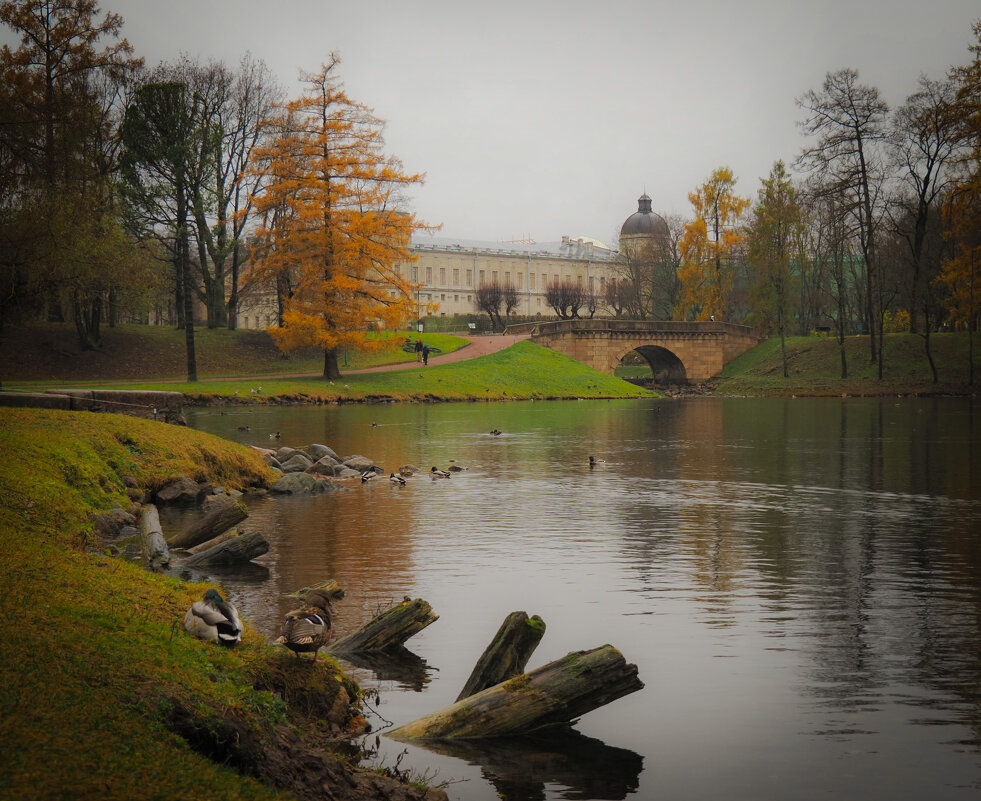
(531, 281)
(494, 276)
(397, 269)
(469, 277)
(456, 278)
(538, 301)
(429, 275)
(579, 280)
(592, 284)
(415, 273)
(442, 276)
(507, 279)
(480, 277)
(555, 278)
(521, 281)
(442, 297)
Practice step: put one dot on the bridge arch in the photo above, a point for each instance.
(666, 366)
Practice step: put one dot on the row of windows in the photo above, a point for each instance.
(499, 276)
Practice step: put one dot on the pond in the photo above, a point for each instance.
(798, 582)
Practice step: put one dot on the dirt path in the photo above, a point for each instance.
(479, 346)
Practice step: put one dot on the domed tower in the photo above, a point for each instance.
(643, 231)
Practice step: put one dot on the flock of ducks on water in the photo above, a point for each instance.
(305, 629)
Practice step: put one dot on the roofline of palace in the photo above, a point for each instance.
(571, 248)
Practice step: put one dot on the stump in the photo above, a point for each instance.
(215, 521)
(507, 654)
(554, 694)
(152, 542)
(231, 551)
(390, 628)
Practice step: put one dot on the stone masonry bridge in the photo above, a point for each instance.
(678, 352)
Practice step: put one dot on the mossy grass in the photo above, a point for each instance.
(95, 660)
(521, 372)
(46, 353)
(814, 366)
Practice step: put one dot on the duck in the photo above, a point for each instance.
(215, 619)
(437, 473)
(274, 436)
(496, 432)
(308, 628)
(395, 478)
(593, 461)
(244, 428)
(367, 475)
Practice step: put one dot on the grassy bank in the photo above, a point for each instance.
(102, 693)
(522, 371)
(39, 353)
(814, 367)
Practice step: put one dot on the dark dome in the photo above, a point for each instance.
(644, 222)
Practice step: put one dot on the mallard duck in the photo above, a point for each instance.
(367, 475)
(214, 619)
(395, 478)
(496, 432)
(274, 436)
(244, 428)
(593, 461)
(308, 628)
(437, 473)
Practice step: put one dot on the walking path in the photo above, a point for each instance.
(480, 345)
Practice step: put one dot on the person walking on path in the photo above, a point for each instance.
(418, 350)
(425, 354)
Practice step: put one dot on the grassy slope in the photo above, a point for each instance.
(815, 367)
(48, 352)
(524, 370)
(93, 652)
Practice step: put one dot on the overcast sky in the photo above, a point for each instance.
(541, 118)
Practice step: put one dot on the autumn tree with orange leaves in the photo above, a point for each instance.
(708, 248)
(333, 232)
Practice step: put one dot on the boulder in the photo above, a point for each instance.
(285, 453)
(347, 472)
(359, 463)
(298, 483)
(324, 467)
(183, 491)
(409, 470)
(320, 451)
(297, 463)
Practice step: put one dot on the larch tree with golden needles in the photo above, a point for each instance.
(708, 247)
(332, 222)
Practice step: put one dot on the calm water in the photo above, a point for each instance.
(798, 582)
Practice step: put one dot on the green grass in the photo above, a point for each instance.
(525, 370)
(94, 658)
(39, 354)
(814, 367)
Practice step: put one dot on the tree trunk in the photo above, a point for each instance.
(554, 694)
(233, 551)
(389, 629)
(331, 368)
(507, 654)
(152, 542)
(220, 518)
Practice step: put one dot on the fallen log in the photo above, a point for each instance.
(554, 694)
(232, 551)
(224, 514)
(152, 543)
(391, 628)
(507, 654)
(230, 534)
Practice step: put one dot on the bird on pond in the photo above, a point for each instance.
(244, 428)
(395, 478)
(215, 619)
(593, 461)
(496, 432)
(367, 475)
(274, 436)
(437, 473)
(308, 628)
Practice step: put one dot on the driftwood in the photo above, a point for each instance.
(507, 654)
(389, 629)
(554, 694)
(152, 542)
(224, 514)
(232, 551)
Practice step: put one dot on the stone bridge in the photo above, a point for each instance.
(678, 352)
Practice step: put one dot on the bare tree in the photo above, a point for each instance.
(848, 121)
(489, 298)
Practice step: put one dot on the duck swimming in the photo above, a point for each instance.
(214, 619)
(308, 628)
(437, 473)
(395, 478)
(367, 475)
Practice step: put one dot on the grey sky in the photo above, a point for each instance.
(545, 118)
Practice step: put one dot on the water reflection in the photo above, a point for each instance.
(399, 665)
(799, 582)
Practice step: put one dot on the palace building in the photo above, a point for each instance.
(450, 270)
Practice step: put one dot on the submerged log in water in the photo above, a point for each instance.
(554, 694)
(507, 654)
(244, 547)
(224, 513)
(391, 628)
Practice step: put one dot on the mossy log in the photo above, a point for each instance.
(232, 551)
(554, 694)
(507, 654)
(217, 520)
(152, 542)
(387, 630)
